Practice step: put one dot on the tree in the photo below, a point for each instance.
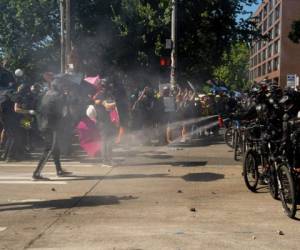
(29, 34)
(126, 35)
(206, 29)
(123, 35)
(234, 70)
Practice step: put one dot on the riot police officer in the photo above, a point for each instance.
(49, 116)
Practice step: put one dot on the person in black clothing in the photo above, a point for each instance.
(231, 104)
(10, 122)
(104, 103)
(49, 116)
(7, 79)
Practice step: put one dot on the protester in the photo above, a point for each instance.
(157, 114)
(104, 104)
(49, 121)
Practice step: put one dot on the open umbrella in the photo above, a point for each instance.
(93, 80)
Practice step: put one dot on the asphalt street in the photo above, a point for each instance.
(182, 197)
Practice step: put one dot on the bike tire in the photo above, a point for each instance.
(273, 183)
(250, 169)
(228, 137)
(236, 146)
(287, 191)
(243, 145)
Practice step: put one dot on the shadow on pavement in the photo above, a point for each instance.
(162, 157)
(203, 177)
(172, 163)
(186, 164)
(77, 201)
(262, 189)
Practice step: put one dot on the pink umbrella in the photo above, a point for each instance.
(93, 80)
(89, 136)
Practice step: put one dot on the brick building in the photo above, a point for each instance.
(276, 58)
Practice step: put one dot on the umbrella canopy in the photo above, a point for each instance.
(93, 80)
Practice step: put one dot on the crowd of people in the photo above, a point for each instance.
(152, 108)
(44, 115)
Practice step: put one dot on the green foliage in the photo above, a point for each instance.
(126, 35)
(29, 33)
(234, 70)
(294, 35)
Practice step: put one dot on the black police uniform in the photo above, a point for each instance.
(49, 121)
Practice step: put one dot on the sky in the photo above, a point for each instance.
(251, 8)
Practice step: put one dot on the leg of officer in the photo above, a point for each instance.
(49, 142)
(56, 154)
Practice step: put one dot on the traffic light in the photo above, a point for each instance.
(165, 62)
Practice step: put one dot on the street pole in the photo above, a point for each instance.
(62, 36)
(174, 44)
(68, 33)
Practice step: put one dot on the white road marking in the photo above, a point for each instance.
(13, 178)
(26, 178)
(2, 229)
(28, 164)
(105, 166)
(32, 182)
(27, 200)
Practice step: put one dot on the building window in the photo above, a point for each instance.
(259, 45)
(264, 54)
(276, 30)
(259, 58)
(276, 47)
(265, 26)
(263, 69)
(265, 10)
(270, 34)
(270, 20)
(269, 66)
(270, 50)
(255, 60)
(259, 71)
(277, 12)
(270, 5)
(276, 64)
(260, 29)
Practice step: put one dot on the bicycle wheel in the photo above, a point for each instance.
(237, 145)
(287, 191)
(273, 183)
(228, 137)
(243, 144)
(250, 170)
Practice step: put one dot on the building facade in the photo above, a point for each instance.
(277, 57)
